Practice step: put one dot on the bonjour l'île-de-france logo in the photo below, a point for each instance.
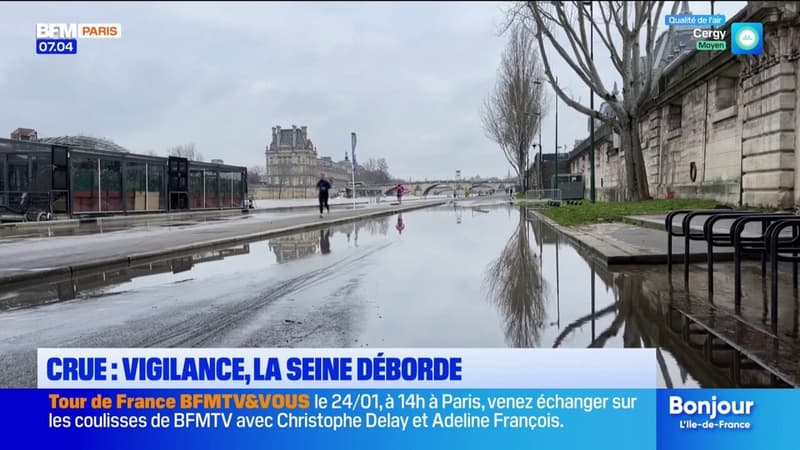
(713, 414)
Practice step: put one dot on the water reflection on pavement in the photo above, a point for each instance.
(451, 276)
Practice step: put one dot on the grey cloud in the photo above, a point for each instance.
(409, 78)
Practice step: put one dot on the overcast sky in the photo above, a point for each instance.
(409, 78)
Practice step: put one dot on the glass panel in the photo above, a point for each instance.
(212, 181)
(196, 189)
(111, 185)
(238, 185)
(135, 187)
(84, 184)
(156, 186)
(41, 173)
(225, 189)
(18, 179)
(2, 179)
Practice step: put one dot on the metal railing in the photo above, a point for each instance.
(773, 244)
(36, 206)
(544, 195)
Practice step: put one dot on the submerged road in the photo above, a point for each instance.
(333, 287)
(23, 259)
(309, 305)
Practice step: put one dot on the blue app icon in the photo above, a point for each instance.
(747, 38)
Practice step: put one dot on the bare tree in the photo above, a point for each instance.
(622, 27)
(254, 174)
(375, 171)
(186, 151)
(514, 284)
(278, 174)
(512, 111)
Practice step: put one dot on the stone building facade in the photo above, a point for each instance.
(24, 134)
(292, 162)
(720, 126)
(293, 166)
(338, 172)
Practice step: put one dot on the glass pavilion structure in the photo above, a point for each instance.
(81, 176)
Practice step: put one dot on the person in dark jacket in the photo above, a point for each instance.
(323, 186)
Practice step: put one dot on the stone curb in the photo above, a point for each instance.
(572, 237)
(611, 256)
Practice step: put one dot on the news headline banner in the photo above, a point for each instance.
(332, 418)
(618, 419)
(252, 368)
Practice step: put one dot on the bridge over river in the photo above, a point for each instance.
(423, 188)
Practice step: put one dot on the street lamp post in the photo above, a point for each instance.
(538, 82)
(527, 166)
(353, 157)
(592, 191)
(541, 177)
(555, 183)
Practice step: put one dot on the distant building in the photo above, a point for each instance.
(718, 126)
(24, 134)
(88, 142)
(339, 173)
(293, 165)
(217, 161)
(291, 158)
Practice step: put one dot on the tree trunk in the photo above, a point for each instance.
(635, 170)
(523, 169)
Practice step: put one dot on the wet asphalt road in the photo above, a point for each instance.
(309, 308)
(448, 277)
(284, 292)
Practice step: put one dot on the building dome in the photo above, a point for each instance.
(87, 142)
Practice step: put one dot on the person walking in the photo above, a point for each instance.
(399, 190)
(323, 186)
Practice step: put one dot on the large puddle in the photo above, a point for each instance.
(484, 276)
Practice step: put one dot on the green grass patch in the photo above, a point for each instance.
(588, 212)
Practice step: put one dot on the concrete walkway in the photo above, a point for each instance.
(32, 258)
(622, 243)
(707, 319)
(136, 218)
(261, 207)
(643, 240)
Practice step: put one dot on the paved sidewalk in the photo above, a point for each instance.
(26, 259)
(646, 241)
(624, 244)
(619, 243)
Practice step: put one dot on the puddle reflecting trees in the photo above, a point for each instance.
(515, 285)
(638, 316)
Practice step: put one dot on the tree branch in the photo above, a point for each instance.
(607, 39)
(543, 31)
